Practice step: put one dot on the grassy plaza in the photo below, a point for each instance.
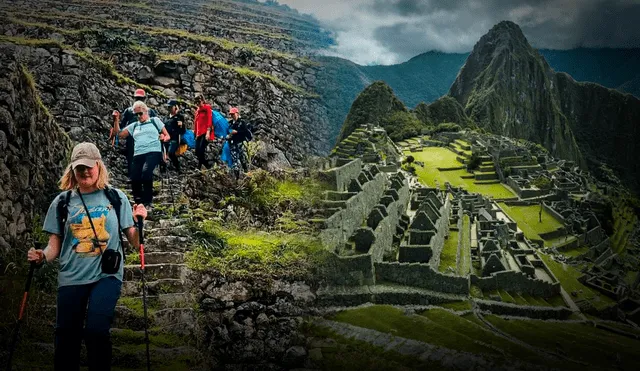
(443, 158)
(528, 219)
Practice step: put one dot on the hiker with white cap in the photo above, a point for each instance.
(84, 224)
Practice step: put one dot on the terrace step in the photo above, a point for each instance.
(178, 320)
(180, 231)
(164, 285)
(168, 257)
(166, 243)
(155, 271)
(381, 294)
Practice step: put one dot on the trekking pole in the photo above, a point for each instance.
(23, 305)
(144, 290)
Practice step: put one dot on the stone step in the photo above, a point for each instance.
(166, 243)
(165, 257)
(155, 271)
(180, 231)
(161, 286)
(172, 300)
(168, 318)
(165, 223)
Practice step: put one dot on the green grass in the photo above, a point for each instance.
(449, 252)
(465, 247)
(457, 305)
(480, 332)
(576, 252)
(568, 277)
(269, 191)
(351, 354)
(393, 321)
(579, 342)
(32, 85)
(506, 297)
(528, 220)
(246, 253)
(440, 157)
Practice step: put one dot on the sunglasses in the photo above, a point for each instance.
(139, 114)
(82, 168)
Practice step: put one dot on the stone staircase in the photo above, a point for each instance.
(171, 309)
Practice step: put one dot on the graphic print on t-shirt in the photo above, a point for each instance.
(83, 236)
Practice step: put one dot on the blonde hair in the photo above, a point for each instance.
(140, 104)
(68, 180)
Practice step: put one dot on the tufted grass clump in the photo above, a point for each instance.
(246, 253)
(270, 191)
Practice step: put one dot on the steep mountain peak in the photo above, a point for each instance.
(507, 87)
(505, 39)
(506, 31)
(373, 103)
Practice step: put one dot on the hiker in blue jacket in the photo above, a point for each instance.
(147, 133)
(221, 130)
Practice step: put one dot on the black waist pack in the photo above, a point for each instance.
(110, 261)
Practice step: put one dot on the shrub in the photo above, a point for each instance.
(446, 127)
(474, 162)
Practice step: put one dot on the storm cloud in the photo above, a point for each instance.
(392, 31)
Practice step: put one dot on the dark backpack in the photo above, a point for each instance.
(63, 210)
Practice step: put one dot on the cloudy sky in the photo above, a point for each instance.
(393, 31)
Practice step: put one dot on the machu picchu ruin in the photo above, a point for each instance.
(493, 226)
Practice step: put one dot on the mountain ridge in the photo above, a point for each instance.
(583, 64)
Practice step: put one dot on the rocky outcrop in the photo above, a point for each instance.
(606, 126)
(33, 150)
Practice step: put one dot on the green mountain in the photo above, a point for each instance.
(428, 76)
(508, 88)
(374, 104)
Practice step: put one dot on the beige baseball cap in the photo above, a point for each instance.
(85, 154)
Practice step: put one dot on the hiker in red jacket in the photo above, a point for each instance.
(203, 130)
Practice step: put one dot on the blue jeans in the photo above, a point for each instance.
(97, 301)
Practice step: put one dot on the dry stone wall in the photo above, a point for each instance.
(518, 282)
(33, 150)
(251, 323)
(421, 275)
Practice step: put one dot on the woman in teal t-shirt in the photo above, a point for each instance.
(91, 228)
(147, 154)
